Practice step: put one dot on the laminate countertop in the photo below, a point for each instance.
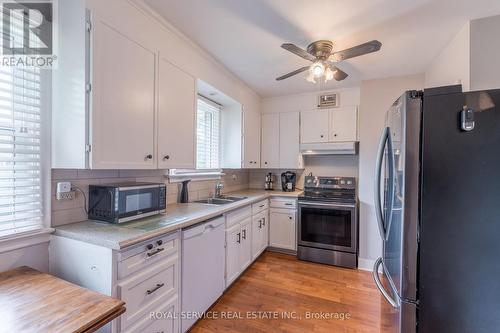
(178, 216)
(31, 301)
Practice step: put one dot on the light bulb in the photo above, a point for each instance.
(318, 69)
(310, 77)
(328, 74)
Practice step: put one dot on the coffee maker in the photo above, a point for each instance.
(288, 180)
(269, 184)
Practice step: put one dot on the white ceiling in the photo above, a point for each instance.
(245, 35)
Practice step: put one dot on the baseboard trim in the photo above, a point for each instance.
(366, 264)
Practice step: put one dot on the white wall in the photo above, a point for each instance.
(307, 101)
(35, 256)
(452, 65)
(485, 51)
(376, 98)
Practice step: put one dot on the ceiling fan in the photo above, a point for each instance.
(324, 59)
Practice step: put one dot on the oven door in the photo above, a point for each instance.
(328, 226)
(137, 201)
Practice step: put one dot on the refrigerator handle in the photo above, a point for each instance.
(378, 171)
(380, 286)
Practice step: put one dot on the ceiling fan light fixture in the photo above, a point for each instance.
(318, 69)
(310, 77)
(328, 74)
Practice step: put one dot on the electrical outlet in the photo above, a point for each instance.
(63, 191)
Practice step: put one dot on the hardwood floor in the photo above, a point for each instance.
(280, 285)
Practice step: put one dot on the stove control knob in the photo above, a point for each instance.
(349, 182)
(342, 182)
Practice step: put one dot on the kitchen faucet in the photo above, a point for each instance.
(218, 187)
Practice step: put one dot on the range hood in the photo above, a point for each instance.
(330, 148)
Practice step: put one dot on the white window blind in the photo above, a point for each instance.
(20, 147)
(207, 135)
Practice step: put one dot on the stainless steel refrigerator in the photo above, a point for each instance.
(437, 199)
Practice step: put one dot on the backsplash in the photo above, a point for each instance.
(319, 165)
(70, 211)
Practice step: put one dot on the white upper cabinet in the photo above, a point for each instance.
(329, 125)
(314, 126)
(270, 157)
(289, 152)
(176, 117)
(123, 102)
(344, 124)
(251, 138)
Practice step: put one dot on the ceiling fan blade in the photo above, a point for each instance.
(295, 72)
(339, 74)
(298, 51)
(356, 51)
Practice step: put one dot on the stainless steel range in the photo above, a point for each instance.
(328, 221)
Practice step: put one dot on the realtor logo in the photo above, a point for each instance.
(27, 30)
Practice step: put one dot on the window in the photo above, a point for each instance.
(21, 204)
(208, 144)
(207, 135)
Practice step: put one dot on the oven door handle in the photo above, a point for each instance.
(331, 205)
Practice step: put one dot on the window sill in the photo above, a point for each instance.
(17, 241)
(195, 176)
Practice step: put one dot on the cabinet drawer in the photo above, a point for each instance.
(163, 321)
(237, 215)
(260, 206)
(284, 203)
(148, 289)
(147, 253)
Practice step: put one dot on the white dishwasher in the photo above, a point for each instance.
(203, 266)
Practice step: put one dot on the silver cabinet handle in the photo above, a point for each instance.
(158, 250)
(264, 221)
(261, 206)
(149, 157)
(260, 224)
(244, 234)
(239, 238)
(158, 286)
(380, 286)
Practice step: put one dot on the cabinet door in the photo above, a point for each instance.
(290, 157)
(251, 138)
(344, 124)
(256, 235)
(233, 240)
(122, 130)
(246, 243)
(270, 157)
(282, 232)
(264, 241)
(314, 126)
(176, 118)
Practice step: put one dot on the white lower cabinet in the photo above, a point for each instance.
(283, 224)
(238, 243)
(245, 240)
(260, 233)
(145, 276)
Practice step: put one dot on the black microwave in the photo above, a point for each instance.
(118, 203)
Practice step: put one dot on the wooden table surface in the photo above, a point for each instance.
(31, 301)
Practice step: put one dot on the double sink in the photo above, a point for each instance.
(222, 200)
